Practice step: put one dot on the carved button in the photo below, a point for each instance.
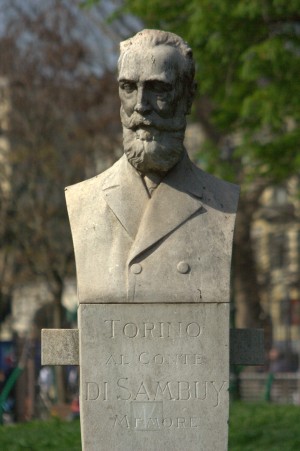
(183, 267)
(136, 268)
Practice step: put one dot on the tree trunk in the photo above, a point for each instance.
(249, 312)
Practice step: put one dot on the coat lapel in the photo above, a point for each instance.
(175, 200)
(126, 195)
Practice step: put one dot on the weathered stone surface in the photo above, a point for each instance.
(154, 377)
(60, 347)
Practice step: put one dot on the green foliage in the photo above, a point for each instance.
(248, 65)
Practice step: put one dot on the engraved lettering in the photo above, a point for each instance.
(112, 326)
(128, 394)
(162, 390)
(152, 423)
(158, 358)
(161, 329)
(168, 325)
(180, 422)
(142, 391)
(150, 330)
(122, 360)
(110, 360)
(143, 358)
(193, 329)
(180, 329)
(198, 359)
(147, 415)
(149, 421)
(217, 391)
(193, 422)
(184, 391)
(137, 423)
(148, 327)
(167, 422)
(92, 391)
(123, 422)
(133, 330)
(182, 358)
(204, 385)
(177, 359)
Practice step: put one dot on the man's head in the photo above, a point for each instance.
(156, 87)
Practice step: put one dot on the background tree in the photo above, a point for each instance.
(248, 62)
(54, 133)
(59, 124)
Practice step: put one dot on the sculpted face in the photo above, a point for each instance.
(153, 107)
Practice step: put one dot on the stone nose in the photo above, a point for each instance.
(142, 105)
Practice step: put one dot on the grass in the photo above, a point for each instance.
(264, 427)
(41, 436)
(253, 427)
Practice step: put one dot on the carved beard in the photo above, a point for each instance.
(148, 146)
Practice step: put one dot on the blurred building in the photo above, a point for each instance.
(276, 233)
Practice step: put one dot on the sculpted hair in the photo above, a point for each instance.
(152, 38)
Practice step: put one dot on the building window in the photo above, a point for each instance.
(278, 250)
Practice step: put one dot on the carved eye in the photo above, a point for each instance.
(160, 87)
(128, 86)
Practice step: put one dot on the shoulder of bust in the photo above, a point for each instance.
(217, 192)
(88, 186)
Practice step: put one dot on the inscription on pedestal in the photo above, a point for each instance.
(153, 375)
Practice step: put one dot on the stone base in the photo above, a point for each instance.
(154, 377)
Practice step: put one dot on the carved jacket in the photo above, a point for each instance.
(173, 247)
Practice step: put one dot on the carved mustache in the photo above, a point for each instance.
(145, 133)
(136, 120)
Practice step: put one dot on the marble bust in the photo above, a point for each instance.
(154, 227)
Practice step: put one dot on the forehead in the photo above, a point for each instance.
(161, 62)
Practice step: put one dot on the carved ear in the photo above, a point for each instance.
(190, 97)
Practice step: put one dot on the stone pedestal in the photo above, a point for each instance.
(154, 377)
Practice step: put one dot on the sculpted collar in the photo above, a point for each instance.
(177, 198)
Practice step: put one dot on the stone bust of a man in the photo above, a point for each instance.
(153, 227)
